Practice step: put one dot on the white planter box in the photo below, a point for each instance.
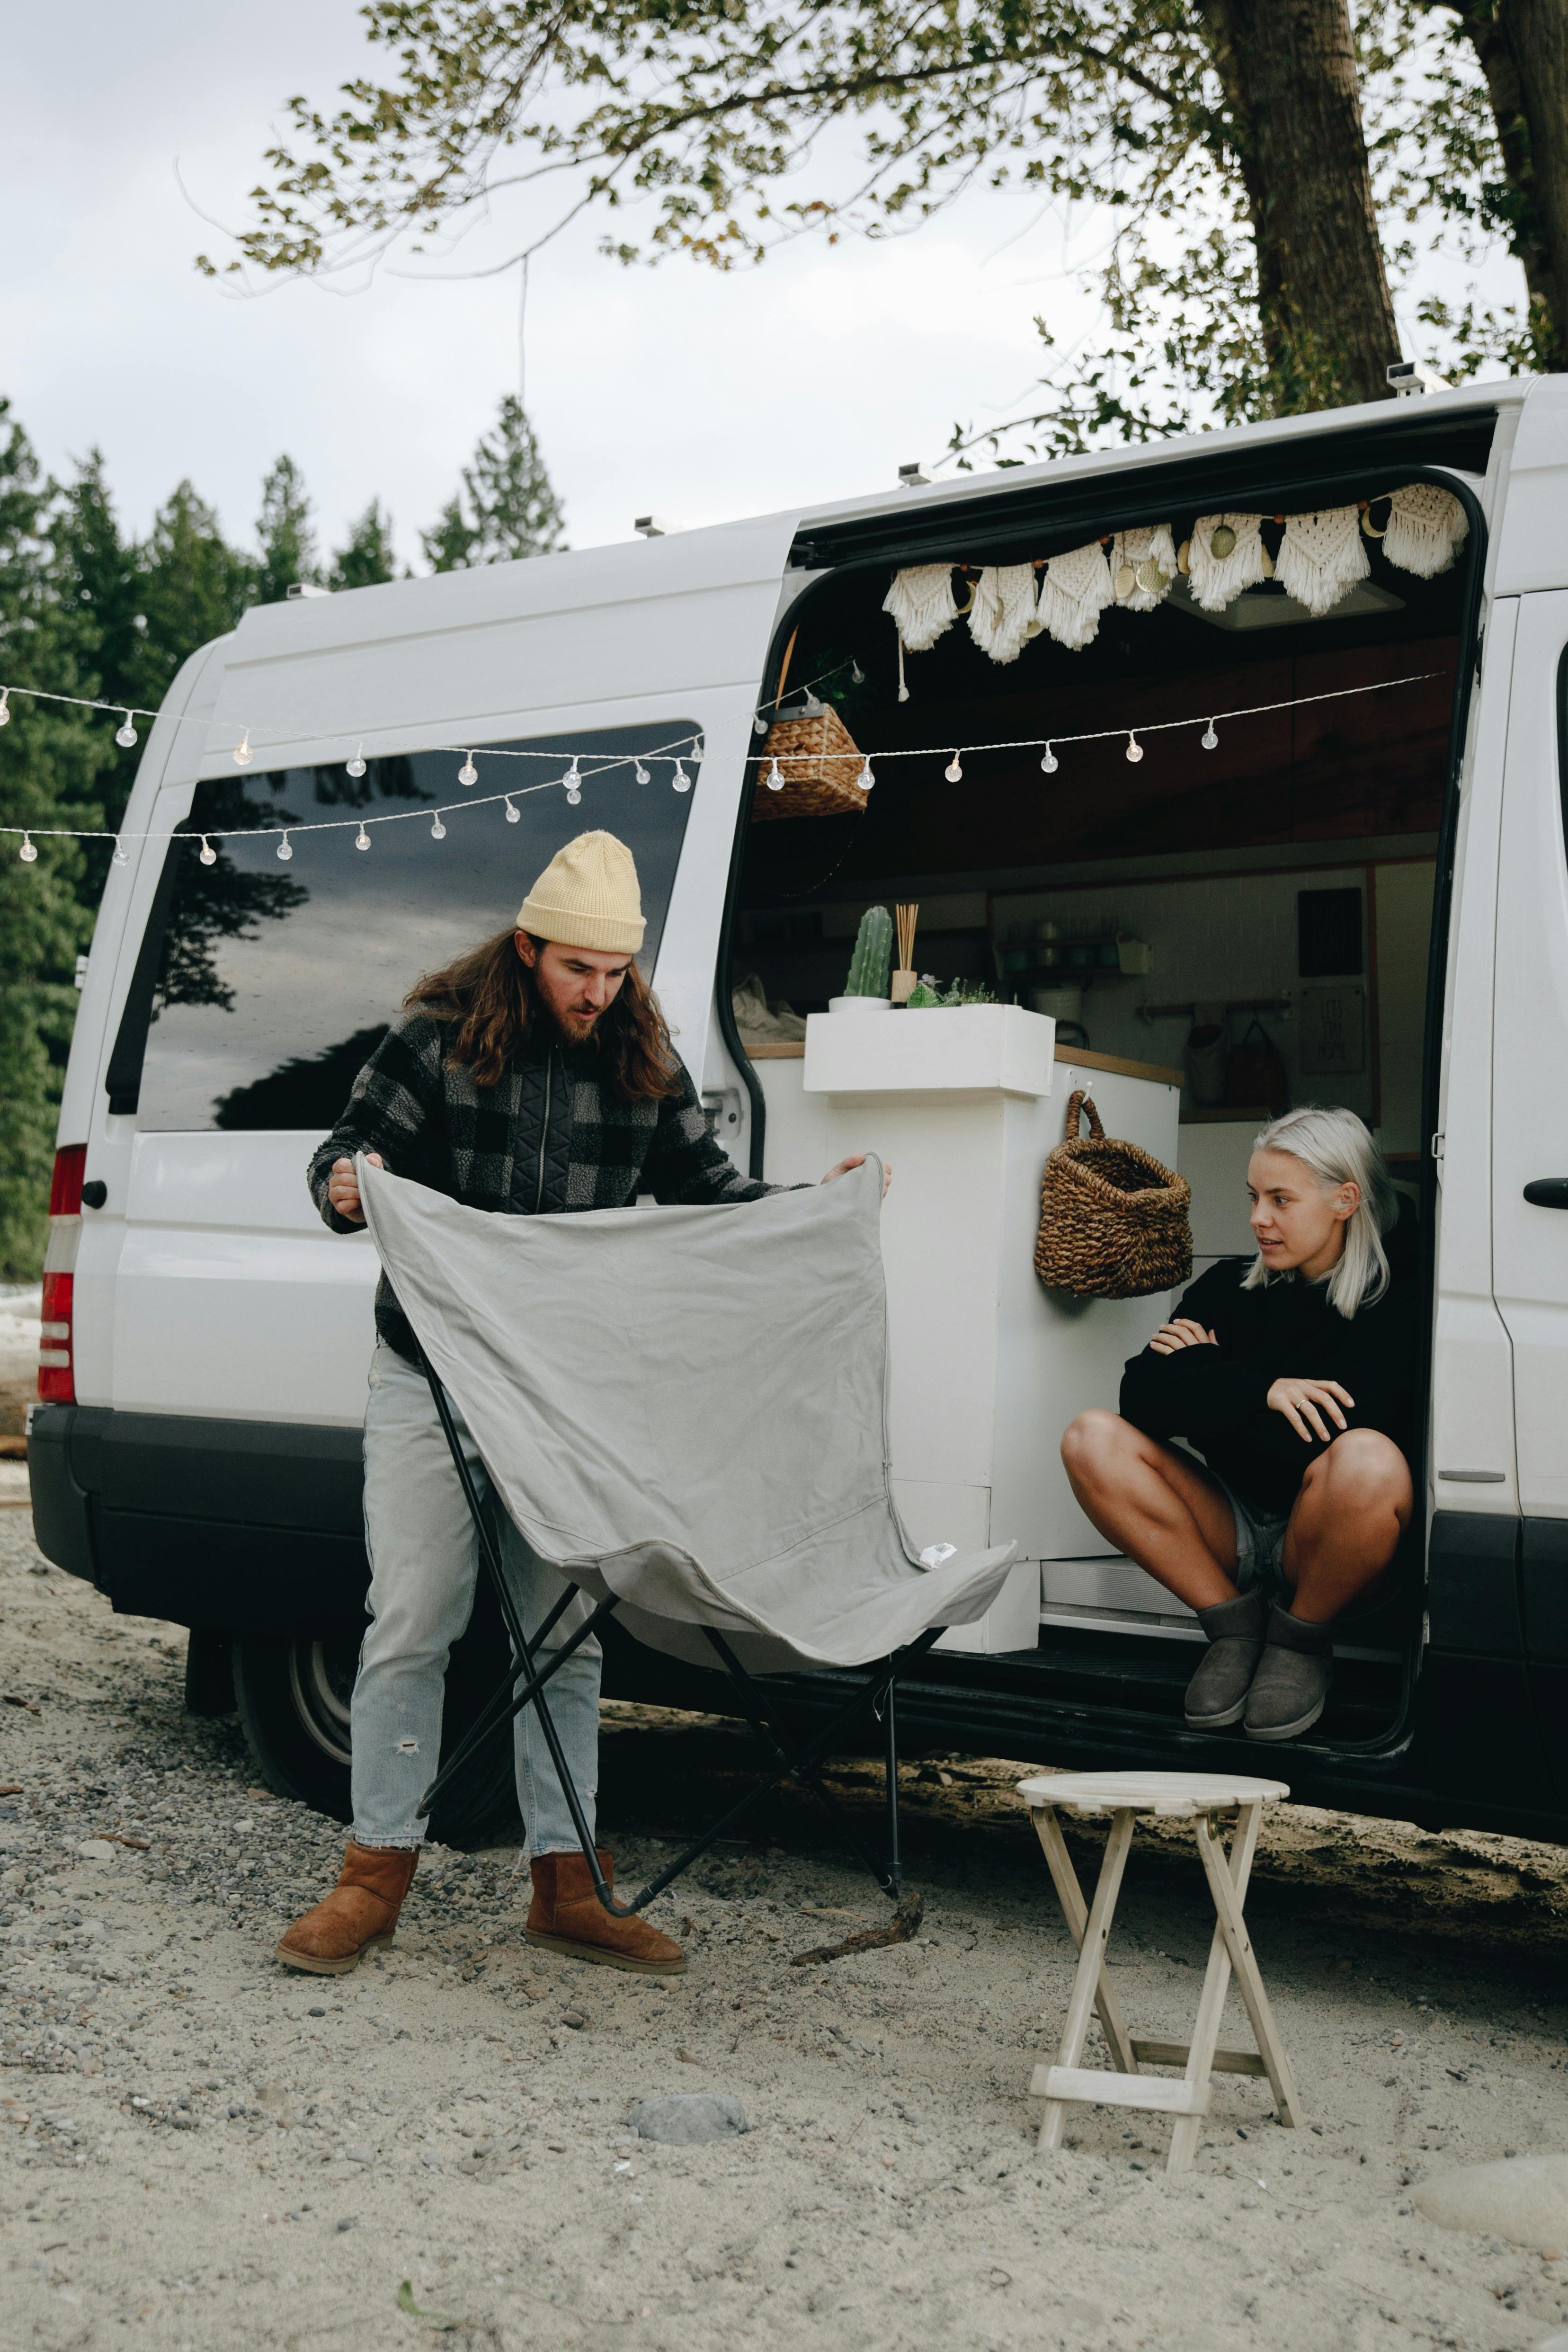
(961, 1052)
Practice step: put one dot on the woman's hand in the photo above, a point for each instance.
(1300, 1401)
(1183, 1333)
(343, 1187)
(857, 1159)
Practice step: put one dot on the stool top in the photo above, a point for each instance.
(1173, 1795)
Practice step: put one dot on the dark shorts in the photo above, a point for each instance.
(1260, 1544)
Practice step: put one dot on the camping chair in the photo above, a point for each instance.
(745, 1414)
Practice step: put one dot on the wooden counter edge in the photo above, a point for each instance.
(794, 1050)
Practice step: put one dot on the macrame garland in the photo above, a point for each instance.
(1227, 555)
(1003, 617)
(1425, 526)
(1143, 566)
(1322, 557)
(921, 604)
(1074, 592)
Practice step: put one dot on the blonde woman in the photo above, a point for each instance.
(1295, 1378)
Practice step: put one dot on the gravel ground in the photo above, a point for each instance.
(200, 2150)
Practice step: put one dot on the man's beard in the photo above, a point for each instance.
(574, 1029)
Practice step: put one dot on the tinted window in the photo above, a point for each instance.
(278, 978)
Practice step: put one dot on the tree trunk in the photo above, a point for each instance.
(1287, 68)
(1523, 49)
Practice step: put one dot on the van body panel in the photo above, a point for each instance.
(1529, 552)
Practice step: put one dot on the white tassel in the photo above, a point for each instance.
(1143, 566)
(1425, 525)
(921, 604)
(1218, 580)
(1322, 557)
(1003, 617)
(1074, 592)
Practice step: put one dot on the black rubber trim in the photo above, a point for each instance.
(122, 1079)
(1543, 1576)
(261, 1578)
(61, 1525)
(1473, 1585)
(280, 1475)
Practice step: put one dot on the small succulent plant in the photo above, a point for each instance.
(870, 967)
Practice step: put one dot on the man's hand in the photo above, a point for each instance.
(857, 1159)
(1299, 1401)
(1183, 1333)
(342, 1190)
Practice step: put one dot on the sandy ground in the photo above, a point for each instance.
(202, 2151)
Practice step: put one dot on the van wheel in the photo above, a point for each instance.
(293, 1694)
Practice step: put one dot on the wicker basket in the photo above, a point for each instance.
(1113, 1222)
(819, 762)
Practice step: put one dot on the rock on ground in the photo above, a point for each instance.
(199, 2150)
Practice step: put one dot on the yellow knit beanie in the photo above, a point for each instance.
(587, 897)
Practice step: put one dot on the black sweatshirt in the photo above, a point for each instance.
(1216, 1398)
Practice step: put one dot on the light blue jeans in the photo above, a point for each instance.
(425, 1563)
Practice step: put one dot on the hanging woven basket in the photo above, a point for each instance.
(819, 763)
(1113, 1220)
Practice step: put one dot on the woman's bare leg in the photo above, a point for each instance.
(1157, 1506)
(1354, 1504)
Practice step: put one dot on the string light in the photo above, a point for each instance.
(437, 830)
(120, 857)
(125, 734)
(572, 780)
(356, 765)
(774, 777)
(361, 838)
(681, 782)
(866, 779)
(954, 770)
(641, 775)
(5, 706)
(1209, 738)
(513, 815)
(27, 854)
(467, 773)
(1050, 763)
(243, 754)
(209, 854)
(285, 849)
(1134, 749)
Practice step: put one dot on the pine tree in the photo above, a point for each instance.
(512, 507)
(100, 575)
(367, 560)
(50, 760)
(193, 587)
(285, 530)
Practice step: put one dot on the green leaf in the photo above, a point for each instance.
(432, 2318)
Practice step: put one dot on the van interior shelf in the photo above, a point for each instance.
(792, 1049)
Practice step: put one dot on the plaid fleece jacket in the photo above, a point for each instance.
(549, 1138)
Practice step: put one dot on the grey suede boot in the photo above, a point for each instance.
(1290, 1688)
(1235, 1631)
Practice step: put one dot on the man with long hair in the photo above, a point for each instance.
(533, 1076)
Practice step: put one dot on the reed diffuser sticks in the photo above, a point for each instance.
(904, 977)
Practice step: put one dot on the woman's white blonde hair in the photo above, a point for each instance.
(1336, 1148)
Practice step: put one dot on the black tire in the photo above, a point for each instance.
(292, 1692)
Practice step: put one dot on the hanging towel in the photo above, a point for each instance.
(1425, 525)
(686, 1408)
(1143, 566)
(1074, 592)
(921, 604)
(1218, 580)
(1322, 557)
(1003, 617)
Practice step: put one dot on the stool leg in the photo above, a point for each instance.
(1090, 1961)
(1229, 1889)
(1185, 2132)
(1075, 1911)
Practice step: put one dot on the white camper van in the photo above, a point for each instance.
(1246, 846)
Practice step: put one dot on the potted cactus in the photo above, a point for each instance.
(870, 967)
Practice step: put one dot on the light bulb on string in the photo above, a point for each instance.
(759, 725)
(774, 777)
(1134, 749)
(356, 765)
(437, 830)
(120, 857)
(857, 675)
(865, 779)
(467, 773)
(27, 853)
(681, 782)
(572, 780)
(954, 770)
(361, 839)
(5, 706)
(209, 854)
(1050, 763)
(125, 733)
(285, 849)
(1209, 738)
(243, 754)
(641, 774)
(513, 815)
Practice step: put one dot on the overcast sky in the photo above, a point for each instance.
(696, 395)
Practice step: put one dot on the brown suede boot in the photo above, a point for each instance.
(567, 1916)
(361, 1910)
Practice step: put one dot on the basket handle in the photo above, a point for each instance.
(1080, 1100)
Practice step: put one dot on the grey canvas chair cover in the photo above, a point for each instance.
(684, 1408)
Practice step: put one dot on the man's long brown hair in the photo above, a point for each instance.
(490, 998)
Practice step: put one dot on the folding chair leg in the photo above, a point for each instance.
(895, 1873)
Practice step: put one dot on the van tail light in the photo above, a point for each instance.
(56, 1367)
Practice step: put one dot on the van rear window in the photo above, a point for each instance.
(278, 977)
